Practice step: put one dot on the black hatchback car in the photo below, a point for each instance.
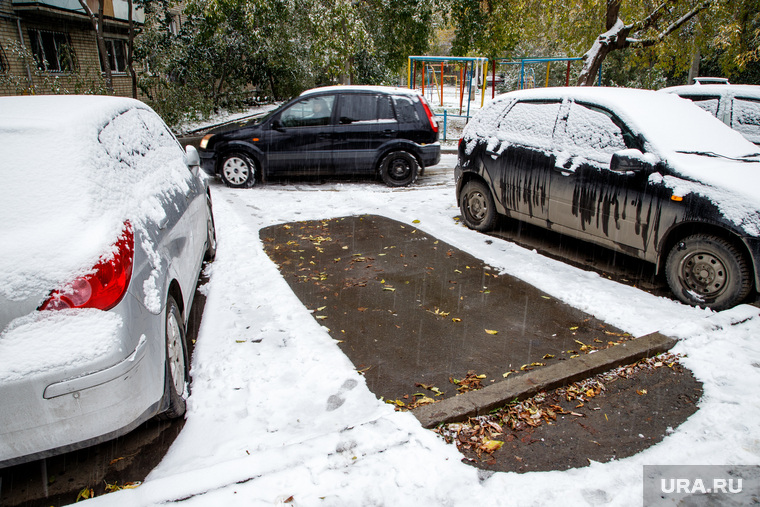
(337, 130)
(644, 173)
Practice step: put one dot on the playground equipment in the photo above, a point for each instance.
(459, 74)
(433, 72)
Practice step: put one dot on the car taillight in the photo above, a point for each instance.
(431, 118)
(105, 286)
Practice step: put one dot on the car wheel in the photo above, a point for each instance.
(477, 206)
(399, 169)
(210, 233)
(708, 271)
(239, 171)
(176, 362)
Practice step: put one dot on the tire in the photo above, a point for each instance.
(175, 379)
(399, 169)
(210, 254)
(477, 206)
(238, 171)
(708, 271)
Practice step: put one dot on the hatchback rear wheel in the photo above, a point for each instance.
(477, 206)
(708, 271)
(176, 362)
(399, 169)
(238, 171)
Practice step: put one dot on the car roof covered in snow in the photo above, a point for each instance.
(736, 90)
(361, 88)
(670, 124)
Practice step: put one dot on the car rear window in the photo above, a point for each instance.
(405, 110)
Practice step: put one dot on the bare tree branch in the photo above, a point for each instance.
(651, 41)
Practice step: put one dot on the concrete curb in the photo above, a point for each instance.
(521, 387)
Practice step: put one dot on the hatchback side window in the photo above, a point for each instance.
(356, 107)
(309, 112)
(746, 117)
(592, 133)
(405, 110)
(530, 124)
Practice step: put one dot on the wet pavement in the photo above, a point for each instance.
(416, 315)
(410, 310)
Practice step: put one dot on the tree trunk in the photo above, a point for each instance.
(616, 36)
(130, 46)
(97, 24)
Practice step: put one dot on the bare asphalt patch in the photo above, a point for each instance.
(416, 316)
(412, 312)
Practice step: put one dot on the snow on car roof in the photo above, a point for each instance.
(69, 184)
(360, 88)
(670, 123)
(752, 91)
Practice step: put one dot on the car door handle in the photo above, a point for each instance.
(387, 133)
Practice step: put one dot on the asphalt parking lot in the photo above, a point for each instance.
(421, 319)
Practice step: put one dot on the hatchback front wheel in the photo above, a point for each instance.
(708, 271)
(477, 206)
(238, 171)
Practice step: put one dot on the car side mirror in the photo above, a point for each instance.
(277, 124)
(192, 157)
(631, 161)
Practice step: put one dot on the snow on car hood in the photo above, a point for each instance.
(74, 170)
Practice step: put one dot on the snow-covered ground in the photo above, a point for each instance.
(279, 415)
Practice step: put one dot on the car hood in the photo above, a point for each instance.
(732, 185)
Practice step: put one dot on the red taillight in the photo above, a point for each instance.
(431, 118)
(105, 286)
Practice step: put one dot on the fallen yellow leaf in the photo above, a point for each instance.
(490, 446)
(491, 331)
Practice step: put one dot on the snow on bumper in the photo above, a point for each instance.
(70, 379)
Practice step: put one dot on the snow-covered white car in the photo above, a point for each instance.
(738, 106)
(106, 224)
(641, 172)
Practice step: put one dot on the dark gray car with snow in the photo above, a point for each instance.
(646, 174)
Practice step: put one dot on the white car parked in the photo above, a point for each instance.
(106, 222)
(738, 106)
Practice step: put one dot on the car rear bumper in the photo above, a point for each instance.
(430, 154)
(208, 162)
(77, 403)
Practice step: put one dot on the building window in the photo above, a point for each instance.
(174, 24)
(117, 55)
(52, 51)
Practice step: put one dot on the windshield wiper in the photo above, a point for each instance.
(743, 158)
